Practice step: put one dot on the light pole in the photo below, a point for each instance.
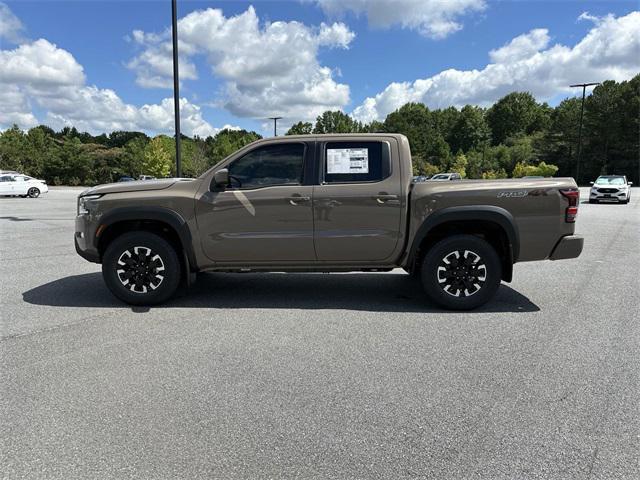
(584, 88)
(275, 125)
(176, 83)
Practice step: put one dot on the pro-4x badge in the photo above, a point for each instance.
(512, 194)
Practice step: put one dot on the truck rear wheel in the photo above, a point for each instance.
(461, 272)
(141, 268)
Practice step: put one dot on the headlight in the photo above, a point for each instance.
(86, 203)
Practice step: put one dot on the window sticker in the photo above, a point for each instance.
(347, 160)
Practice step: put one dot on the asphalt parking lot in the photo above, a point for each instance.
(316, 375)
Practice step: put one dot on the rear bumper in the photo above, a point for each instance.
(568, 247)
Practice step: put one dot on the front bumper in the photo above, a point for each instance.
(84, 240)
(609, 197)
(567, 247)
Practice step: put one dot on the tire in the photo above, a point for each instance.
(444, 280)
(141, 268)
(33, 192)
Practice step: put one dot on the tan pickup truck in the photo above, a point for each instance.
(325, 203)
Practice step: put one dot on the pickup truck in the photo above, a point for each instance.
(324, 203)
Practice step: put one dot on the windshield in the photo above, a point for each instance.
(610, 181)
(440, 177)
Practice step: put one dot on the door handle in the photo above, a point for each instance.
(297, 199)
(384, 198)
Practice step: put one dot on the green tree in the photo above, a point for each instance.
(12, 149)
(414, 121)
(514, 114)
(470, 131)
(300, 128)
(336, 122)
(460, 164)
(226, 142)
(157, 160)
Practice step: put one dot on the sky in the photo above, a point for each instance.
(106, 65)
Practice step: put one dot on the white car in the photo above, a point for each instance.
(610, 188)
(440, 177)
(22, 185)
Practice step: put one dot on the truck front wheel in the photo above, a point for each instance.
(141, 268)
(461, 272)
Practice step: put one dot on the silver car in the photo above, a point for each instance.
(610, 188)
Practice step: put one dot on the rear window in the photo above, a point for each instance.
(354, 162)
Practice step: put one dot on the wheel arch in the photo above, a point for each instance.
(162, 221)
(493, 223)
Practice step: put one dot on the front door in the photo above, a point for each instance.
(6, 185)
(265, 214)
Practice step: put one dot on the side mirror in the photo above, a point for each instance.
(220, 180)
(590, 183)
(629, 183)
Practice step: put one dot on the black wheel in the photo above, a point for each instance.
(141, 268)
(461, 272)
(33, 192)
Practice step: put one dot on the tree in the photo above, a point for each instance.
(226, 142)
(470, 131)
(514, 114)
(157, 160)
(460, 164)
(542, 170)
(414, 121)
(12, 149)
(336, 122)
(300, 128)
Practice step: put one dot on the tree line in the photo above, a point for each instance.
(516, 136)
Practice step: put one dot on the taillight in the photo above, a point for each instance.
(573, 195)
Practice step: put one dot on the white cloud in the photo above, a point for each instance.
(269, 69)
(15, 109)
(521, 47)
(589, 18)
(432, 18)
(41, 65)
(40, 74)
(611, 50)
(11, 27)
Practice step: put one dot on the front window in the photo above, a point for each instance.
(266, 166)
(610, 181)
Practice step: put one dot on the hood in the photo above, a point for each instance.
(135, 186)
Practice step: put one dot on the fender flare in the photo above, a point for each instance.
(159, 214)
(489, 213)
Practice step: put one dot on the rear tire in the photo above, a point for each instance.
(461, 272)
(141, 268)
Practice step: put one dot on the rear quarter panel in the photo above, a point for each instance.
(537, 206)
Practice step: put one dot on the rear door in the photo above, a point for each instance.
(359, 203)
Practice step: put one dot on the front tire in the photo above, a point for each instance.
(141, 268)
(33, 192)
(461, 272)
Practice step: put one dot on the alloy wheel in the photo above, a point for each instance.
(140, 270)
(462, 273)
